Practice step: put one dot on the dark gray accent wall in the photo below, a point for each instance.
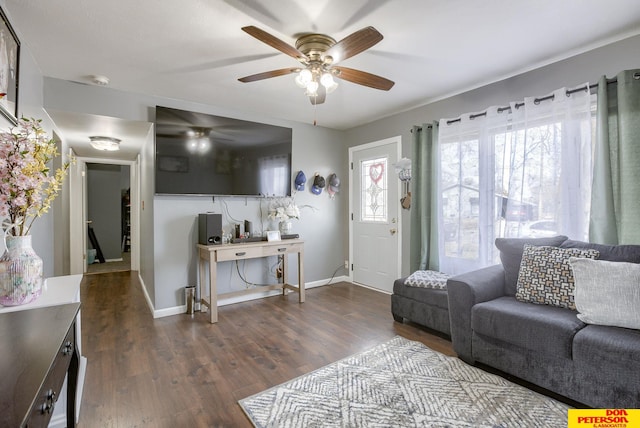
(104, 207)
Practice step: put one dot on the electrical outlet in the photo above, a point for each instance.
(346, 264)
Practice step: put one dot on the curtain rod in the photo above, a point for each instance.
(535, 101)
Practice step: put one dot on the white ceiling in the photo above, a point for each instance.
(195, 50)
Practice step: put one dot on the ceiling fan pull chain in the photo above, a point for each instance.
(315, 112)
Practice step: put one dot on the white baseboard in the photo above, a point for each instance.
(146, 295)
(370, 288)
(177, 310)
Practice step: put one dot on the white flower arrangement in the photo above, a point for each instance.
(283, 209)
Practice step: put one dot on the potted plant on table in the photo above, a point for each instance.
(27, 190)
(284, 210)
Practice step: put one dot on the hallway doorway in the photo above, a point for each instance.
(108, 217)
(104, 221)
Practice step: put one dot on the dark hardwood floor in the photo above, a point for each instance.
(181, 371)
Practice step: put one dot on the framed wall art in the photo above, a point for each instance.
(9, 70)
(273, 235)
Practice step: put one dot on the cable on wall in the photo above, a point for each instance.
(334, 275)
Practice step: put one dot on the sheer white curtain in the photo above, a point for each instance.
(517, 171)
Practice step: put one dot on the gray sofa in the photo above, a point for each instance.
(594, 365)
(425, 306)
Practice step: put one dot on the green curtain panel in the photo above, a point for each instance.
(615, 200)
(424, 221)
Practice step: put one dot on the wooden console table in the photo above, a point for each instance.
(231, 252)
(39, 350)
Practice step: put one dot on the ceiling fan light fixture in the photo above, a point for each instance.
(204, 145)
(304, 77)
(327, 81)
(109, 144)
(319, 54)
(312, 88)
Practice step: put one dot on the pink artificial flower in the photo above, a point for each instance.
(20, 199)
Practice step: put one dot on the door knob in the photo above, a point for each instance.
(393, 231)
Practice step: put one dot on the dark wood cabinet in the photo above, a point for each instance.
(39, 348)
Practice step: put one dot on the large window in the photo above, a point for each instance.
(524, 173)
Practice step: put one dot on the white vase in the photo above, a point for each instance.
(20, 272)
(286, 226)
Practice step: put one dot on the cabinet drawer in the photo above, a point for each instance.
(50, 391)
(225, 254)
(274, 250)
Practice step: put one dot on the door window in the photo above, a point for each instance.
(374, 191)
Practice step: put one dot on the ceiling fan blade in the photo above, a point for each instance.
(268, 74)
(363, 78)
(221, 63)
(353, 44)
(275, 42)
(320, 97)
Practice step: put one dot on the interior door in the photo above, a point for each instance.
(375, 227)
(77, 220)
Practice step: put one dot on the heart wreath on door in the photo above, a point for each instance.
(376, 171)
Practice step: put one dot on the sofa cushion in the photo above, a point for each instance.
(429, 296)
(427, 279)
(607, 348)
(539, 328)
(607, 293)
(545, 276)
(613, 253)
(606, 361)
(511, 254)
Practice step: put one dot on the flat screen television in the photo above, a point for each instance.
(202, 154)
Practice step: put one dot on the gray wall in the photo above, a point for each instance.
(167, 236)
(51, 231)
(105, 184)
(587, 67)
(173, 236)
(322, 225)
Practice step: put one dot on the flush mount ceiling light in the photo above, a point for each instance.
(105, 143)
(100, 80)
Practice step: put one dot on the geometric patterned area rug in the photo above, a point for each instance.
(402, 383)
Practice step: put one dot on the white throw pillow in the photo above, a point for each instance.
(607, 293)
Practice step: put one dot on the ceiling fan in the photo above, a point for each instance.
(318, 54)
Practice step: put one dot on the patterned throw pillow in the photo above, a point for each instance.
(546, 277)
(428, 279)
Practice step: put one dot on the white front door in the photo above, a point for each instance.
(375, 228)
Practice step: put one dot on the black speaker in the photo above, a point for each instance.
(210, 229)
